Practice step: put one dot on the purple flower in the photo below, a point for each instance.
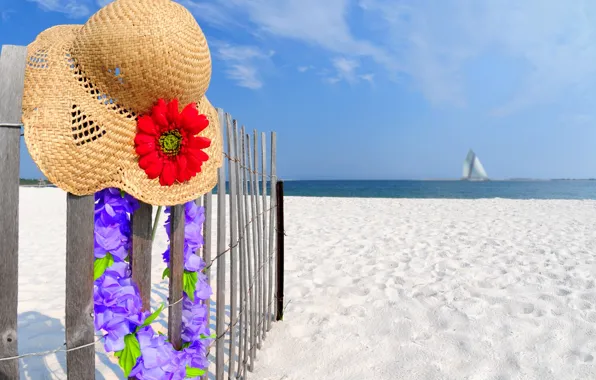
(117, 302)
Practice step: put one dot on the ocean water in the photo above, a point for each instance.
(554, 189)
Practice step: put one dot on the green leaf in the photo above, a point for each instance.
(100, 265)
(212, 336)
(127, 358)
(194, 372)
(152, 317)
(166, 273)
(190, 284)
(122, 193)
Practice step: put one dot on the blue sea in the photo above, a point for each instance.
(553, 189)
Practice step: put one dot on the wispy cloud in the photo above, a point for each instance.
(304, 69)
(5, 14)
(71, 8)
(433, 41)
(346, 69)
(430, 42)
(242, 63)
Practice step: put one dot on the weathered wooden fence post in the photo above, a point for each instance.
(141, 251)
(234, 249)
(177, 221)
(12, 78)
(220, 305)
(80, 363)
(272, 214)
(279, 313)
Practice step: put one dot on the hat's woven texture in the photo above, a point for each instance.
(86, 85)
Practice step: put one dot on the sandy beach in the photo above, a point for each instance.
(381, 289)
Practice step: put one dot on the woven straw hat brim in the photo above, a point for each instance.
(83, 142)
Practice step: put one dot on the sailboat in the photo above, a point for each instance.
(473, 169)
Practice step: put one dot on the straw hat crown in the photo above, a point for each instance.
(124, 47)
(87, 87)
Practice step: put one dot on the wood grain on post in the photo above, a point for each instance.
(207, 236)
(272, 215)
(239, 236)
(250, 249)
(279, 284)
(177, 221)
(264, 251)
(244, 241)
(141, 251)
(258, 225)
(220, 305)
(12, 74)
(232, 175)
(80, 364)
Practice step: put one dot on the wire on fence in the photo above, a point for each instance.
(61, 349)
(216, 258)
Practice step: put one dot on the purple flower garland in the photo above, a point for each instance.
(142, 353)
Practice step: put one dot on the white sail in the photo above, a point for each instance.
(468, 162)
(479, 169)
(472, 168)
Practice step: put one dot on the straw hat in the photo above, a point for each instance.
(102, 100)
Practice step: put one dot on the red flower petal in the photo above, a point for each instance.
(146, 125)
(183, 174)
(142, 138)
(198, 142)
(194, 164)
(158, 114)
(192, 121)
(143, 149)
(198, 154)
(148, 160)
(173, 115)
(154, 169)
(168, 174)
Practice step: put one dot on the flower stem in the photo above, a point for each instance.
(154, 230)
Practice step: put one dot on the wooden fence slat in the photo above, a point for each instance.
(243, 251)
(234, 246)
(220, 305)
(80, 364)
(271, 226)
(279, 283)
(141, 251)
(12, 74)
(255, 252)
(263, 239)
(177, 219)
(207, 238)
(250, 249)
(258, 227)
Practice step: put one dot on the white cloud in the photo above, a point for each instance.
(368, 77)
(434, 40)
(304, 69)
(317, 23)
(242, 63)
(5, 14)
(71, 8)
(346, 69)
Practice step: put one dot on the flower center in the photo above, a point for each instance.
(170, 142)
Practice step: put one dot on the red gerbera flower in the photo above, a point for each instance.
(167, 142)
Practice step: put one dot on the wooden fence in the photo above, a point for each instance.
(241, 251)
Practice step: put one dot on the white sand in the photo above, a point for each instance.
(382, 289)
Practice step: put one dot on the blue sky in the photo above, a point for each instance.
(392, 89)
